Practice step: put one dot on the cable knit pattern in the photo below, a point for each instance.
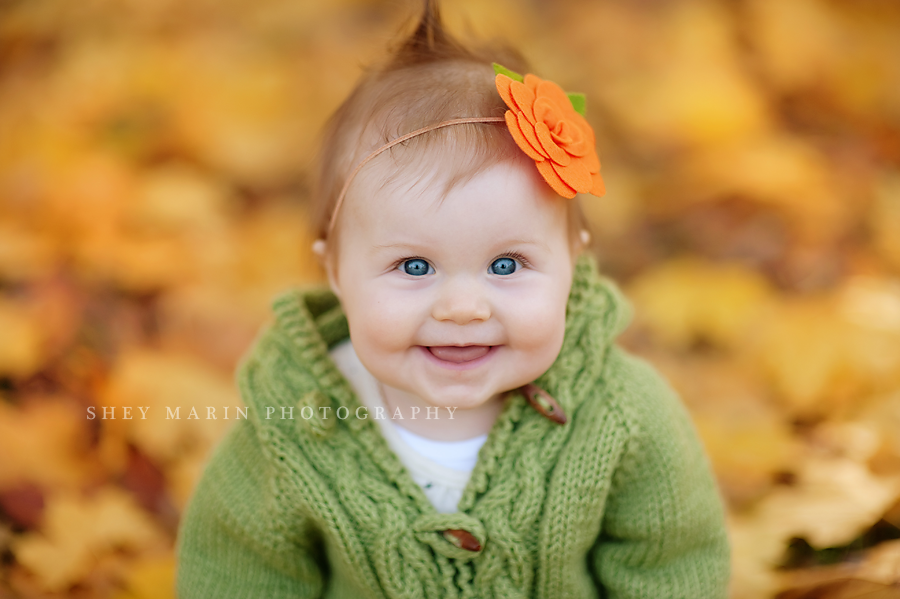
(618, 502)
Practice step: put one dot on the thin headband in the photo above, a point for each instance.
(391, 144)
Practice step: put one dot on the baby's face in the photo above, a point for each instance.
(455, 299)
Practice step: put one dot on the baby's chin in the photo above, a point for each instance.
(459, 397)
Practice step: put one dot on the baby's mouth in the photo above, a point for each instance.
(458, 354)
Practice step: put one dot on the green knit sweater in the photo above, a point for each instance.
(617, 502)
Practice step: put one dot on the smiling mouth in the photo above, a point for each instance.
(459, 354)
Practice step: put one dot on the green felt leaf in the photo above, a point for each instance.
(579, 103)
(502, 70)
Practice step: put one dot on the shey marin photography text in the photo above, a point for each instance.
(269, 413)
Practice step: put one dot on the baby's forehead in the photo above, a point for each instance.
(418, 176)
(509, 195)
(441, 163)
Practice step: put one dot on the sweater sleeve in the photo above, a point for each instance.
(232, 542)
(663, 531)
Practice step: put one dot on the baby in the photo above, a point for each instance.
(452, 418)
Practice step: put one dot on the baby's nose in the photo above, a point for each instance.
(462, 300)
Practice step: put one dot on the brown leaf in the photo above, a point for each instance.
(24, 505)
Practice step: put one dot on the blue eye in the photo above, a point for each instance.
(416, 267)
(504, 266)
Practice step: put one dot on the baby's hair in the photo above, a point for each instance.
(431, 77)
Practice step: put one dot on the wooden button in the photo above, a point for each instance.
(462, 539)
(543, 403)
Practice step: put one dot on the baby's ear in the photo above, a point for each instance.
(580, 243)
(320, 249)
(584, 237)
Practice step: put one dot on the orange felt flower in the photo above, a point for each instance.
(546, 126)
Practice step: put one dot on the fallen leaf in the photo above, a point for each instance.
(176, 199)
(831, 503)
(797, 42)
(821, 362)
(690, 92)
(76, 530)
(21, 342)
(46, 442)
(882, 564)
(26, 254)
(169, 387)
(884, 218)
(688, 300)
(775, 170)
(150, 578)
(755, 553)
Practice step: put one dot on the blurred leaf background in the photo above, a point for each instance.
(155, 165)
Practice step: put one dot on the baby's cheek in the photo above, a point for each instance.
(537, 322)
(385, 324)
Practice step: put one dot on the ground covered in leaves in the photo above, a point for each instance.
(154, 170)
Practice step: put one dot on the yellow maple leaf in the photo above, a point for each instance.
(822, 354)
(689, 89)
(882, 564)
(45, 443)
(21, 341)
(832, 502)
(686, 300)
(777, 170)
(151, 577)
(76, 530)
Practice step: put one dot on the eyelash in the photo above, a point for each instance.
(400, 262)
(514, 255)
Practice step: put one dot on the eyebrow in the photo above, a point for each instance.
(509, 242)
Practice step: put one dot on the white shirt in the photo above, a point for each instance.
(441, 468)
